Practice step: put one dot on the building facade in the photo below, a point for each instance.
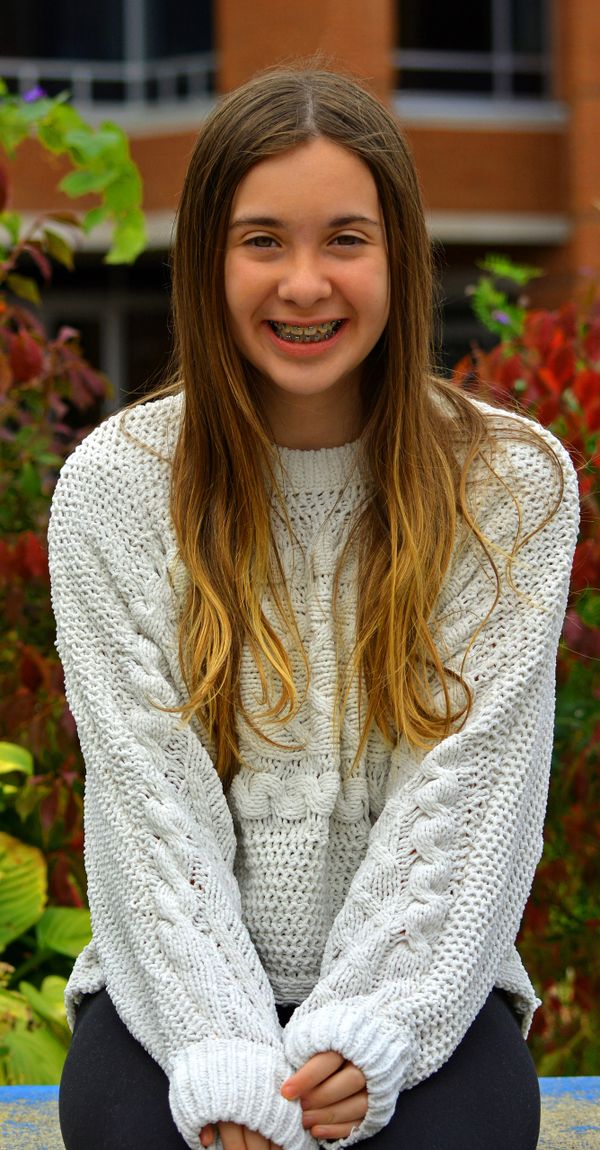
(500, 101)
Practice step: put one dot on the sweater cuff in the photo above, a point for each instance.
(225, 1080)
(369, 1042)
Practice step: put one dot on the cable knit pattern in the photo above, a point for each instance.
(386, 904)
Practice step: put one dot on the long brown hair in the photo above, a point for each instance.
(415, 430)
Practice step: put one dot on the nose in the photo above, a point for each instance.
(303, 280)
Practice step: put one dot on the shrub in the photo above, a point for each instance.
(547, 364)
(47, 390)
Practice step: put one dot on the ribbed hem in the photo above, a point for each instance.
(226, 1080)
(366, 1041)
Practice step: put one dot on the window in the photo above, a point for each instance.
(117, 51)
(498, 48)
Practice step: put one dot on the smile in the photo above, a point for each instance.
(312, 333)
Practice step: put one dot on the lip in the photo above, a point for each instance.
(303, 350)
(295, 322)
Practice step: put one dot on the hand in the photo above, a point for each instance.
(333, 1094)
(236, 1137)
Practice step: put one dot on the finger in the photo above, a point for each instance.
(333, 1132)
(232, 1136)
(319, 1067)
(254, 1140)
(346, 1082)
(207, 1135)
(350, 1110)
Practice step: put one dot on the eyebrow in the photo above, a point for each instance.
(271, 222)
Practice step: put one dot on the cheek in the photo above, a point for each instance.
(246, 287)
(378, 300)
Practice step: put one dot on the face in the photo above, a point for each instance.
(306, 270)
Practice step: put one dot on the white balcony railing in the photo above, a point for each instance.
(178, 78)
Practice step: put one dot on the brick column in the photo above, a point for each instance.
(355, 35)
(578, 84)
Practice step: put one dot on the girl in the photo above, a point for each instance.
(308, 604)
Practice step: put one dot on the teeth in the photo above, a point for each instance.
(312, 333)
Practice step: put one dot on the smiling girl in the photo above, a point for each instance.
(308, 601)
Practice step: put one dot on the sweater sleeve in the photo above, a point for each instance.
(179, 964)
(435, 906)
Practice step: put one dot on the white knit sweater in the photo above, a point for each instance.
(387, 905)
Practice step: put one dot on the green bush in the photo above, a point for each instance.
(46, 389)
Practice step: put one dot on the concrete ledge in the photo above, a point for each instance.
(570, 1116)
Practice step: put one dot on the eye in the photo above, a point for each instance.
(260, 242)
(347, 240)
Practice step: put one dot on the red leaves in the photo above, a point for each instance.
(26, 559)
(26, 356)
(553, 371)
(6, 375)
(64, 888)
(586, 389)
(586, 565)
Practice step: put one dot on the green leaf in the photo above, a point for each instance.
(82, 182)
(125, 192)
(58, 248)
(16, 763)
(23, 884)
(60, 120)
(129, 239)
(109, 144)
(49, 1001)
(15, 758)
(93, 218)
(49, 459)
(501, 267)
(588, 607)
(30, 1053)
(29, 480)
(23, 287)
(64, 929)
(11, 222)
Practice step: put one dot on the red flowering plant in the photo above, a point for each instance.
(49, 399)
(547, 364)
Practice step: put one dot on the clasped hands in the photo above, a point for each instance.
(333, 1096)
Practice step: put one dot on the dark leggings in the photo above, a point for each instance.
(114, 1096)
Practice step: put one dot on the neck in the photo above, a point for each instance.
(311, 422)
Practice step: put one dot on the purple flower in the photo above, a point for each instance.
(34, 94)
(501, 317)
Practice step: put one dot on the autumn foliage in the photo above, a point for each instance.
(46, 390)
(50, 397)
(547, 362)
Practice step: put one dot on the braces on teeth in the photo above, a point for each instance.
(314, 333)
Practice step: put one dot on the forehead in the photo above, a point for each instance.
(315, 175)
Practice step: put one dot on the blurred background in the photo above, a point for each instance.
(500, 100)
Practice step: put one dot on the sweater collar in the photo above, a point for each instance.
(325, 468)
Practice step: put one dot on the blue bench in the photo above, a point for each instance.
(570, 1116)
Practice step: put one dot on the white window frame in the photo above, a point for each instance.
(193, 73)
(501, 63)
